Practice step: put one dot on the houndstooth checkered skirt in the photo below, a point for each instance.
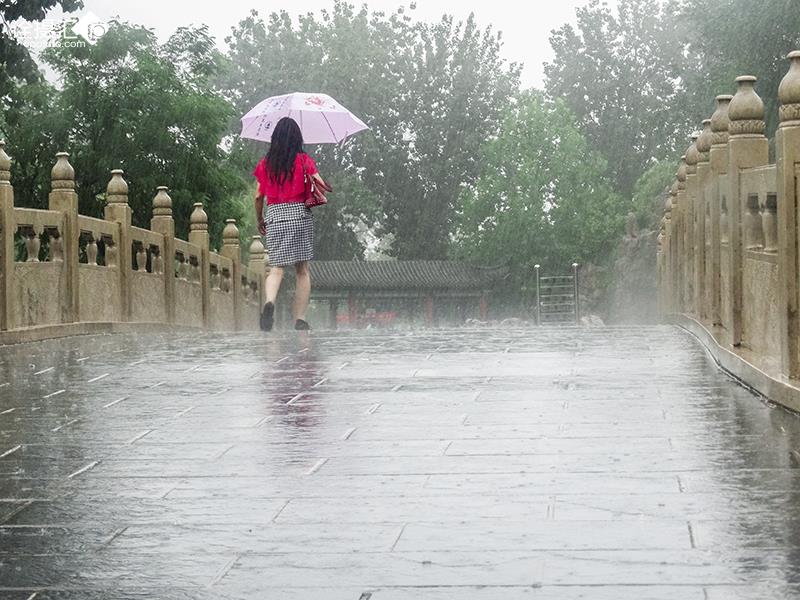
(290, 234)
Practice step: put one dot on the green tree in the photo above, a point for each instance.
(431, 93)
(620, 74)
(129, 102)
(542, 195)
(737, 37)
(16, 63)
(648, 193)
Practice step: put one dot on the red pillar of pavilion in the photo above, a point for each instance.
(484, 307)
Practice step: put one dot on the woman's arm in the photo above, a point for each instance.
(259, 206)
(322, 183)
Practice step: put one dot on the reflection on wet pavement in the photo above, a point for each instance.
(608, 464)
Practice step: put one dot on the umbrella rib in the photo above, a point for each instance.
(324, 116)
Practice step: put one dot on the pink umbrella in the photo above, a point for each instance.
(321, 119)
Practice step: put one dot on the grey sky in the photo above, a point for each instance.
(525, 25)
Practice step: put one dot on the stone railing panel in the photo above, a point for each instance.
(188, 284)
(148, 301)
(222, 314)
(39, 271)
(99, 269)
(58, 267)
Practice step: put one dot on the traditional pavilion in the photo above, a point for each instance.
(390, 291)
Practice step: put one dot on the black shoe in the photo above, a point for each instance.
(301, 325)
(267, 317)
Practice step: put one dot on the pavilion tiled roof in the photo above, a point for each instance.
(405, 275)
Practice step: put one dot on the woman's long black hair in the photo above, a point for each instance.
(287, 142)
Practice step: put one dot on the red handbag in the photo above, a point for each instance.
(315, 190)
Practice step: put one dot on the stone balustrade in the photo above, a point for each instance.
(728, 247)
(59, 268)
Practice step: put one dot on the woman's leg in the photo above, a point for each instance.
(274, 283)
(302, 290)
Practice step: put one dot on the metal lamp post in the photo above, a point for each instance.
(575, 291)
(538, 302)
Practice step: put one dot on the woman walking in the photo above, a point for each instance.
(288, 224)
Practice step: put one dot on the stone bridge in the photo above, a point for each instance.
(172, 452)
(454, 463)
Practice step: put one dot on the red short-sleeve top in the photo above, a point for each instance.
(291, 190)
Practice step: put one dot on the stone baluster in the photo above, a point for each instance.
(787, 153)
(769, 223)
(56, 246)
(141, 257)
(718, 158)
(231, 249)
(118, 211)
(747, 147)
(183, 268)
(724, 225)
(703, 233)
(198, 235)
(33, 244)
(258, 264)
(163, 223)
(64, 199)
(751, 224)
(112, 254)
(91, 250)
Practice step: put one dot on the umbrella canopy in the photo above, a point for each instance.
(321, 119)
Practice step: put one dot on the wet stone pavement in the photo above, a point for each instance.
(608, 464)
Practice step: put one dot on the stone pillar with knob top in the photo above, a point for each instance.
(118, 211)
(665, 294)
(258, 263)
(231, 249)
(702, 269)
(718, 158)
(747, 147)
(690, 230)
(162, 222)
(64, 199)
(198, 236)
(787, 159)
(7, 229)
(679, 219)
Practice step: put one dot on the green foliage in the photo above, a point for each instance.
(542, 195)
(737, 37)
(431, 93)
(619, 73)
(16, 63)
(648, 193)
(129, 102)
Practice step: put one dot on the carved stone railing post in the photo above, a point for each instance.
(690, 234)
(198, 235)
(64, 199)
(718, 156)
(667, 254)
(702, 265)
(118, 211)
(163, 223)
(747, 147)
(7, 229)
(231, 249)
(679, 219)
(258, 263)
(787, 158)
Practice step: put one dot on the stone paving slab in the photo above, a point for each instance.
(612, 463)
